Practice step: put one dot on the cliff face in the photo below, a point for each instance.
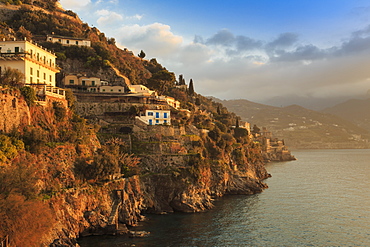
(83, 211)
(14, 112)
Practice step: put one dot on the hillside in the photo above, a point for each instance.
(300, 127)
(63, 176)
(356, 110)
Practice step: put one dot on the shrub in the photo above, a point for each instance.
(25, 221)
(29, 95)
(60, 111)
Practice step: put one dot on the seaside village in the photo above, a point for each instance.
(40, 69)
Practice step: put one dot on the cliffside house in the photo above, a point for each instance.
(170, 101)
(156, 117)
(37, 64)
(83, 83)
(68, 41)
(142, 90)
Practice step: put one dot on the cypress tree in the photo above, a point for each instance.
(191, 88)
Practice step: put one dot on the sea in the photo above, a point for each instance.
(321, 199)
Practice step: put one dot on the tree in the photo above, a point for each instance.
(218, 110)
(181, 80)
(191, 88)
(29, 95)
(161, 81)
(256, 130)
(24, 33)
(141, 54)
(237, 123)
(11, 77)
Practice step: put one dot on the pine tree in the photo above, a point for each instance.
(141, 54)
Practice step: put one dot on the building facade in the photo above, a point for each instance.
(156, 117)
(68, 41)
(37, 64)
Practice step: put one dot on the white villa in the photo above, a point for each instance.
(67, 41)
(156, 117)
(37, 64)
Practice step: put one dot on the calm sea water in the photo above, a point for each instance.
(322, 199)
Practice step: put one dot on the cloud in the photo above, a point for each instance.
(108, 18)
(74, 4)
(223, 37)
(155, 39)
(285, 40)
(283, 67)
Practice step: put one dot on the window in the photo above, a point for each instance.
(76, 42)
(67, 41)
(156, 121)
(157, 115)
(38, 73)
(16, 49)
(150, 113)
(103, 90)
(119, 90)
(92, 83)
(150, 122)
(111, 90)
(165, 115)
(60, 40)
(44, 76)
(164, 121)
(31, 80)
(71, 82)
(50, 78)
(83, 83)
(31, 71)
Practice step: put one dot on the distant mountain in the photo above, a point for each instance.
(300, 127)
(309, 102)
(358, 111)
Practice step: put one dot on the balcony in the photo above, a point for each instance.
(21, 56)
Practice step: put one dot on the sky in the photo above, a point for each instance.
(308, 52)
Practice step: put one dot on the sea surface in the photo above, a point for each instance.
(322, 199)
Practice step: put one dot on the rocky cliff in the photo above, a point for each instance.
(14, 111)
(181, 169)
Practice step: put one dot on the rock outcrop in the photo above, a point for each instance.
(14, 112)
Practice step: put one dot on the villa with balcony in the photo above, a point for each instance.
(36, 63)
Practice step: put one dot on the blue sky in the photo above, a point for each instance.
(267, 51)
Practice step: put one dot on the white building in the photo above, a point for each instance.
(156, 117)
(67, 41)
(170, 101)
(141, 89)
(37, 64)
